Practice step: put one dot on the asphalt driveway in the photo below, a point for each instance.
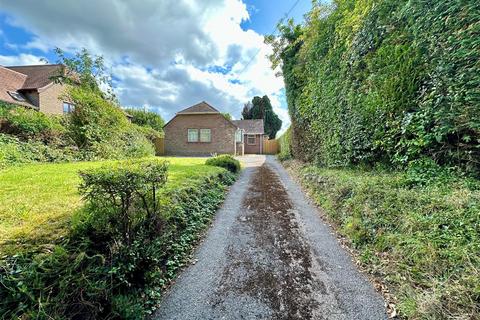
(270, 256)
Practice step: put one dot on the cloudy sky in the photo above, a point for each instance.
(164, 55)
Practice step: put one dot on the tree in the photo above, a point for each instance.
(146, 118)
(246, 110)
(227, 115)
(86, 71)
(261, 108)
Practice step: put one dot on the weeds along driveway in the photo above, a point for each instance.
(270, 256)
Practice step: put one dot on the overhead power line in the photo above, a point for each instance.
(285, 16)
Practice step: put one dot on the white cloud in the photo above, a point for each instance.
(36, 43)
(20, 60)
(165, 55)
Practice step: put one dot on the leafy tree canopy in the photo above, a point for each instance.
(261, 108)
(85, 70)
(227, 115)
(146, 118)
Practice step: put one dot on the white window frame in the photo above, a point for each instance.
(189, 139)
(202, 137)
(239, 136)
(254, 139)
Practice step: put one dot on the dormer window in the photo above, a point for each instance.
(17, 96)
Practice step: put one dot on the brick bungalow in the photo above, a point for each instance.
(202, 130)
(33, 87)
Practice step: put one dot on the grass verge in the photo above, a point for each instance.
(422, 241)
(81, 268)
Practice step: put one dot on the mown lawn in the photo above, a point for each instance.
(38, 201)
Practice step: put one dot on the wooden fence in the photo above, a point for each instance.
(271, 146)
(159, 146)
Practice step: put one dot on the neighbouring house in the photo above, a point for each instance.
(33, 87)
(253, 135)
(202, 130)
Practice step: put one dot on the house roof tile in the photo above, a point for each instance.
(201, 107)
(11, 81)
(37, 76)
(254, 126)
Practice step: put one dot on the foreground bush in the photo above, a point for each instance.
(126, 245)
(225, 161)
(418, 232)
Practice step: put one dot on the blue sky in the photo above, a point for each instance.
(163, 55)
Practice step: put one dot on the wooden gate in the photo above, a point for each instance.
(159, 146)
(271, 146)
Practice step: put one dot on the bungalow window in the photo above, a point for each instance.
(192, 135)
(251, 139)
(68, 107)
(205, 135)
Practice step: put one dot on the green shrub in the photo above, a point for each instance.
(422, 241)
(102, 131)
(125, 247)
(13, 151)
(94, 118)
(27, 123)
(225, 161)
(123, 198)
(285, 145)
(146, 119)
(149, 133)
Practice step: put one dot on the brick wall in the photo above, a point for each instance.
(50, 99)
(222, 131)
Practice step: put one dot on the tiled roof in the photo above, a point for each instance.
(12, 81)
(254, 126)
(201, 107)
(38, 76)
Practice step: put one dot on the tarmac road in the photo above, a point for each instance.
(270, 256)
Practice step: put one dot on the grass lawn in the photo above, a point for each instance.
(38, 201)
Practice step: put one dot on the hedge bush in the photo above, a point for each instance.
(285, 145)
(147, 119)
(124, 248)
(384, 81)
(225, 161)
(30, 124)
(14, 151)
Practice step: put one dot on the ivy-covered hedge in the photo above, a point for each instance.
(285, 145)
(388, 81)
(124, 247)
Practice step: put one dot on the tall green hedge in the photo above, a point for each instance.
(387, 81)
